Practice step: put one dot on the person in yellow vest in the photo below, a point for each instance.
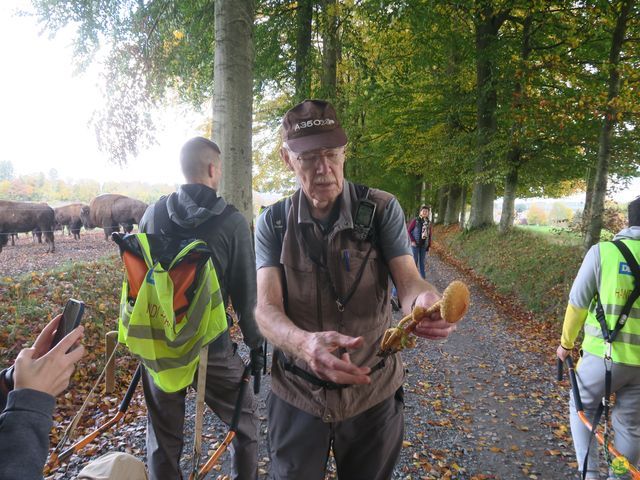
(196, 210)
(605, 273)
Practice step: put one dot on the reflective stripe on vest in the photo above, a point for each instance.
(170, 350)
(616, 283)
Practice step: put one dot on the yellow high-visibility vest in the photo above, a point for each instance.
(616, 284)
(167, 342)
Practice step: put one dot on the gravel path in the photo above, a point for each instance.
(481, 405)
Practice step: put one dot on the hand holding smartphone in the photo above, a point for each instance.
(73, 311)
(71, 317)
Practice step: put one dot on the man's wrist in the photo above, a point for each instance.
(565, 348)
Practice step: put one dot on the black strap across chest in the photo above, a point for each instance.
(279, 215)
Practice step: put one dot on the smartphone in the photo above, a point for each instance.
(71, 317)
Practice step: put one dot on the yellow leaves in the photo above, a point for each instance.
(561, 431)
(178, 35)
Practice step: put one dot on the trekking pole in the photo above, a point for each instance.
(206, 468)
(263, 370)
(631, 469)
(122, 409)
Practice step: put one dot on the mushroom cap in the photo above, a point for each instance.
(455, 301)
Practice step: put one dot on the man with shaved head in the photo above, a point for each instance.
(197, 211)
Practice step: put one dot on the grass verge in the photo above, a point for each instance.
(523, 266)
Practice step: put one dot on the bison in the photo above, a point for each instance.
(69, 216)
(111, 210)
(26, 217)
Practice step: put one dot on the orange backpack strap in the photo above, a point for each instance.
(183, 277)
(136, 269)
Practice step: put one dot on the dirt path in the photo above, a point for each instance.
(485, 400)
(26, 256)
(481, 405)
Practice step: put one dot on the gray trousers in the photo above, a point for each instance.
(625, 415)
(365, 447)
(165, 417)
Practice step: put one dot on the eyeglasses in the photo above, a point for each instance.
(333, 156)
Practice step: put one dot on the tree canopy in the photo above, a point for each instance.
(455, 102)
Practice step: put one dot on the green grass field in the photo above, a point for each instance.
(556, 235)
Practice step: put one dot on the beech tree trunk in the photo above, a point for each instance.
(442, 203)
(463, 205)
(606, 131)
(452, 214)
(487, 25)
(330, 51)
(514, 155)
(304, 16)
(233, 99)
(586, 212)
(509, 199)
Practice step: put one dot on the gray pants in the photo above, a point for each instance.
(165, 417)
(625, 415)
(365, 447)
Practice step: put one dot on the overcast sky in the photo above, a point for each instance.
(46, 111)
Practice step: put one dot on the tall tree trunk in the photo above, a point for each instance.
(606, 131)
(514, 155)
(588, 201)
(443, 193)
(330, 51)
(304, 17)
(509, 199)
(452, 214)
(463, 205)
(233, 99)
(487, 24)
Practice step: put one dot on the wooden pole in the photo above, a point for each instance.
(111, 340)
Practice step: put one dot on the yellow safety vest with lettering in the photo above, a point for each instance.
(616, 284)
(148, 324)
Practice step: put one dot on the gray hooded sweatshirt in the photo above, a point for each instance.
(231, 241)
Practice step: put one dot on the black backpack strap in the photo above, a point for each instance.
(635, 293)
(279, 215)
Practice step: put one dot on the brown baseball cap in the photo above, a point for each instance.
(312, 124)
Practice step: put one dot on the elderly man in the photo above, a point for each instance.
(324, 257)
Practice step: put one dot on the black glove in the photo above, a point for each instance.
(256, 361)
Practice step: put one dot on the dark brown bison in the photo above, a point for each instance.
(69, 216)
(111, 210)
(26, 217)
